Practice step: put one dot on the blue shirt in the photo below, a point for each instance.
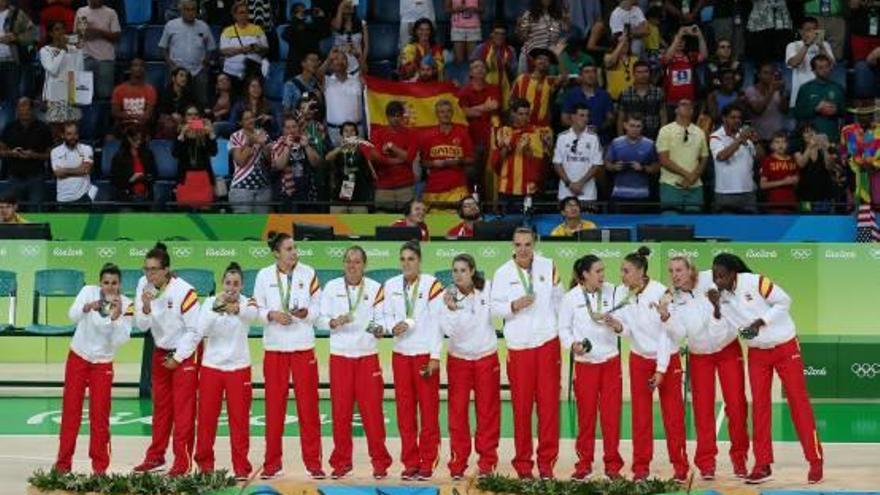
(599, 104)
(629, 183)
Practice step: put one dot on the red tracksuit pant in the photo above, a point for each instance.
(483, 377)
(79, 375)
(598, 388)
(786, 360)
(418, 412)
(728, 365)
(357, 380)
(174, 409)
(641, 370)
(236, 386)
(534, 376)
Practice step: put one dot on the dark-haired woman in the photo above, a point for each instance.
(471, 366)
(542, 26)
(224, 322)
(173, 103)
(761, 311)
(585, 327)
(168, 307)
(133, 168)
(422, 44)
(289, 295)
(412, 306)
(653, 364)
(103, 323)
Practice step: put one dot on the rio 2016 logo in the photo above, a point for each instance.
(865, 370)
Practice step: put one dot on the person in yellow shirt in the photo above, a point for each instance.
(572, 223)
(9, 210)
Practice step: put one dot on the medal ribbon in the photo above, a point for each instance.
(410, 301)
(352, 308)
(526, 282)
(593, 314)
(284, 295)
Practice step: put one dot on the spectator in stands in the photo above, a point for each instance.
(682, 12)
(392, 155)
(353, 175)
(620, 66)
(9, 209)
(133, 168)
(519, 157)
(267, 117)
(469, 213)
(422, 43)
(56, 11)
(350, 35)
(465, 30)
(632, 159)
(100, 30)
(768, 30)
(592, 97)
(480, 102)
(59, 60)
(819, 171)
(296, 159)
(864, 39)
(572, 223)
(303, 35)
(779, 176)
(799, 54)
(444, 152)
(577, 158)
(723, 96)
(729, 21)
(680, 65)
(16, 39)
(543, 25)
(572, 58)
(310, 123)
(173, 103)
(262, 14)
(411, 11)
(629, 20)
(867, 76)
(187, 43)
(821, 100)
(24, 148)
(723, 60)
(414, 216)
(537, 87)
(222, 105)
(194, 147)
(736, 154)
(584, 13)
(72, 165)
(133, 103)
(768, 101)
(500, 60)
(250, 146)
(343, 94)
(683, 154)
(427, 72)
(306, 81)
(829, 15)
(243, 45)
(644, 99)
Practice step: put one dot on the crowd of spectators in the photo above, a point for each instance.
(618, 106)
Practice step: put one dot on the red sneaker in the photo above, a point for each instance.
(759, 474)
(410, 474)
(149, 467)
(178, 471)
(815, 476)
(425, 474)
(740, 471)
(707, 475)
(680, 478)
(380, 475)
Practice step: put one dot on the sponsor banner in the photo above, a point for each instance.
(821, 365)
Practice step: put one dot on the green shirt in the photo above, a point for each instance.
(808, 98)
(823, 7)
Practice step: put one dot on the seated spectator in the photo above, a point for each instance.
(194, 147)
(173, 103)
(799, 54)
(393, 151)
(255, 101)
(519, 157)
(243, 45)
(15, 41)
(72, 165)
(219, 112)
(768, 30)
(628, 19)
(735, 154)
(24, 148)
(620, 66)
(480, 102)
(683, 153)
(307, 81)
(820, 101)
(577, 158)
(644, 99)
(133, 168)
(427, 71)
(819, 171)
(572, 223)
(59, 61)
(352, 173)
(680, 65)
(724, 60)
(414, 216)
(343, 93)
(9, 210)
(251, 149)
(444, 153)
(296, 159)
(421, 43)
(723, 96)
(632, 160)
(469, 213)
(768, 101)
(500, 60)
(538, 86)
(350, 35)
(465, 30)
(543, 25)
(593, 98)
(779, 177)
(303, 35)
(134, 101)
(187, 43)
(98, 27)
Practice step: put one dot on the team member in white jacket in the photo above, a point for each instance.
(224, 322)
(526, 295)
(350, 305)
(103, 323)
(760, 309)
(289, 297)
(598, 386)
(692, 311)
(168, 307)
(471, 366)
(653, 363)
(412, 308)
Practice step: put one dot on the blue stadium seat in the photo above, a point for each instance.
(440, 13)
(166, 164)
(283, 46)
(383, 42)
(95, 122)
(248, 282)
(274, 85)
(385, 11)
(9, 291)
(107, 153)
(48, 284)
(157, 74)
(128, 46)
(138, 11)
(220, 161)
(201, 280)
(152, 35)
(382, 274)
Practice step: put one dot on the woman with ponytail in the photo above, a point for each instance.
(588, 329)
(224, 322)
(471, 365)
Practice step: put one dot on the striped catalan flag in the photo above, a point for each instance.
(418, 99)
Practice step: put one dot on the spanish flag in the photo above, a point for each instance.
(418, 98)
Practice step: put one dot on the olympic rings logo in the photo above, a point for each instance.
(30, 250)
(566, 252)
(106, 252)
(259, 252)
(182, 252)
(874, 253)
(801, 254)
(865, 370)
(488, 252)
(335, 252)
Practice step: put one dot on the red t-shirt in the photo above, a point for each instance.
(774, 169)
(437, 145)
(137, 166)
(469, 96)
(389, 175)
(461, 230)
(422, 227)
(134, 99)
(680, 79)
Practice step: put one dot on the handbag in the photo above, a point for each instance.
(252, 68)
(196, 190)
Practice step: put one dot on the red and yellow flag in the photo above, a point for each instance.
(418, 98)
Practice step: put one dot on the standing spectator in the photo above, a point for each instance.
(680, 66)
(724, 60)
(344, 95)
(864, 38)
(101, 32)
(173, 103)
(633, 160)
(187, 43)
(577, 158)
(306, 81)
(24, 148)
(592, 97)
(620, 65)
(729, 22)
(500, 60)
(133, 169)
(519, 157)
(414, 216)
(60, 62)
(537, 87)
(644, 99)
(352, 174)
(572, 223)
(779, 176)
(194, 146)
(392, 155)
(734, 152)
(134, 101)
(56, 11)
(480, 102)
(682, 12)
(859, 145)
(769, 30)
(629, 20)
(445, 151)
(768, 101)
(819, 172)
(829, 17)
(350, 35)
(250, 149)
(821, 100)
(16, 40)
(542, 26)
(243, 45)
(422, 44)
(469, 214)
(683, 154)
(411, 11)
(72, 165)
(572, 58)
(254, 99)
(723, 96)
(465, 22)
(303, 35)
(295, 158)
(261, 13)
(310, 124)
(799, 55)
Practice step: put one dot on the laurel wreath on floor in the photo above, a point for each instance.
(507, 485)
(133, 483)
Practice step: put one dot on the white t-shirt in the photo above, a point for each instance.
(734, 175)
(619, 17)
(344, 99)
(413, 10)
(71, 188)
(577, 154)
(803, 74)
